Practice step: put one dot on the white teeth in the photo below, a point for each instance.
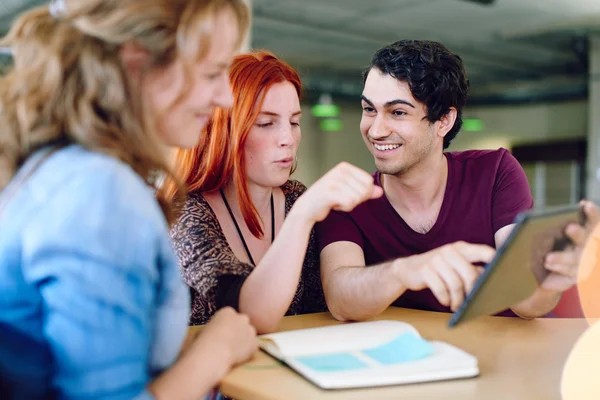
(386, 146)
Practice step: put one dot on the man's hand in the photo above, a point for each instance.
(564, 265)
(448, 271)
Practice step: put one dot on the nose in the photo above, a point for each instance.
(223, 97)
(286, 135)
(378, 130)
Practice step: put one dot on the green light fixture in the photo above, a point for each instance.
(331, 125)
(325, 111)
(472, 125)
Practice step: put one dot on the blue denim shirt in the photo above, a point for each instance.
(88, 276)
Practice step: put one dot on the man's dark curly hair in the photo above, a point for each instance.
(436, 77)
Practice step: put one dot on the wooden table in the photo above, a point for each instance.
(518, 359)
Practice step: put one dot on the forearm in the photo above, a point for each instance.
(539, 304)
(268, 291)
(196, 372)
(361, 293)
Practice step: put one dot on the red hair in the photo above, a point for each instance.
(219, 157)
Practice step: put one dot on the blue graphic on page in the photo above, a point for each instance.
(332, 362)
(405, 348)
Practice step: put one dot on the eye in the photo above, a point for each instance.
(264, 125)
(295, 123)
(398, 113)
(368, 109)
(212, 77)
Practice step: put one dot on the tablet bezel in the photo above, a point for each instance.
(521, 222)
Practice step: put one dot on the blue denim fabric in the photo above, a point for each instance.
(89, 278)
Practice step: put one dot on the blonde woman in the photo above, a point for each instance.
(100, 92)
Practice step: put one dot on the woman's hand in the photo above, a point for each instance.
(342, 188)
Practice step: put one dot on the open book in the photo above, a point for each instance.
(366, 354)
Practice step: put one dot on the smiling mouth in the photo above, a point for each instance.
(386, 147)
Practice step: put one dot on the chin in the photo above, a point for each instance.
(269, 177)
(279, 181)
(389, 169)
(186, 145)
(190, 140)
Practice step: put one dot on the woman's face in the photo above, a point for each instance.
(271, 146)
(180, 124)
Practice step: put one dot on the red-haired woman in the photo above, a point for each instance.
(244, 236)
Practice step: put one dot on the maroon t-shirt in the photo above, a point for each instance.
(486, 189)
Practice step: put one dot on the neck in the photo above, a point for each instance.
(260, 195)
(171, 156)
(168, 155)
(419, 188)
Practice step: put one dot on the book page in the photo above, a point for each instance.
(342, 338)
(405, 348)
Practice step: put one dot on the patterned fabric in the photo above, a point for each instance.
(205, 256)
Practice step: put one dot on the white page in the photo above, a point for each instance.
(447, 362)
(337, 339)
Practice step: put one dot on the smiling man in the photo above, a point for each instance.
(443, 213)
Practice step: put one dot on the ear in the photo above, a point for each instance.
(134, 58)
(446, 122)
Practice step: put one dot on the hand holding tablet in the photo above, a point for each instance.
(520, 265)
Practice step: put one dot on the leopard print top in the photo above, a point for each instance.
(204, 256)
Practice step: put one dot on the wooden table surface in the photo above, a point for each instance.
(518, 359)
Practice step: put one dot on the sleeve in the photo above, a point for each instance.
(228, 291)
(338, 227)
(207, 263)
(511, 193)
(89, 252)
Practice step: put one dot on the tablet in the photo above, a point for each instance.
(518, 267)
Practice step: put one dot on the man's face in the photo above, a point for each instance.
(393, 125)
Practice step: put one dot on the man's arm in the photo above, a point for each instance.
(353, 291)
(542, 301)
(358, 293)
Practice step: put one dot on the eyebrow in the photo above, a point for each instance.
(389, 103)
(274, 114)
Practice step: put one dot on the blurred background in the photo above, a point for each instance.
(534, 67)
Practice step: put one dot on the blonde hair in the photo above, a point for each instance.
(68, 85)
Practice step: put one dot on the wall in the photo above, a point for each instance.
(503, 127)
(510, 125)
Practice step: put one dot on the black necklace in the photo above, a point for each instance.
(237, 227)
